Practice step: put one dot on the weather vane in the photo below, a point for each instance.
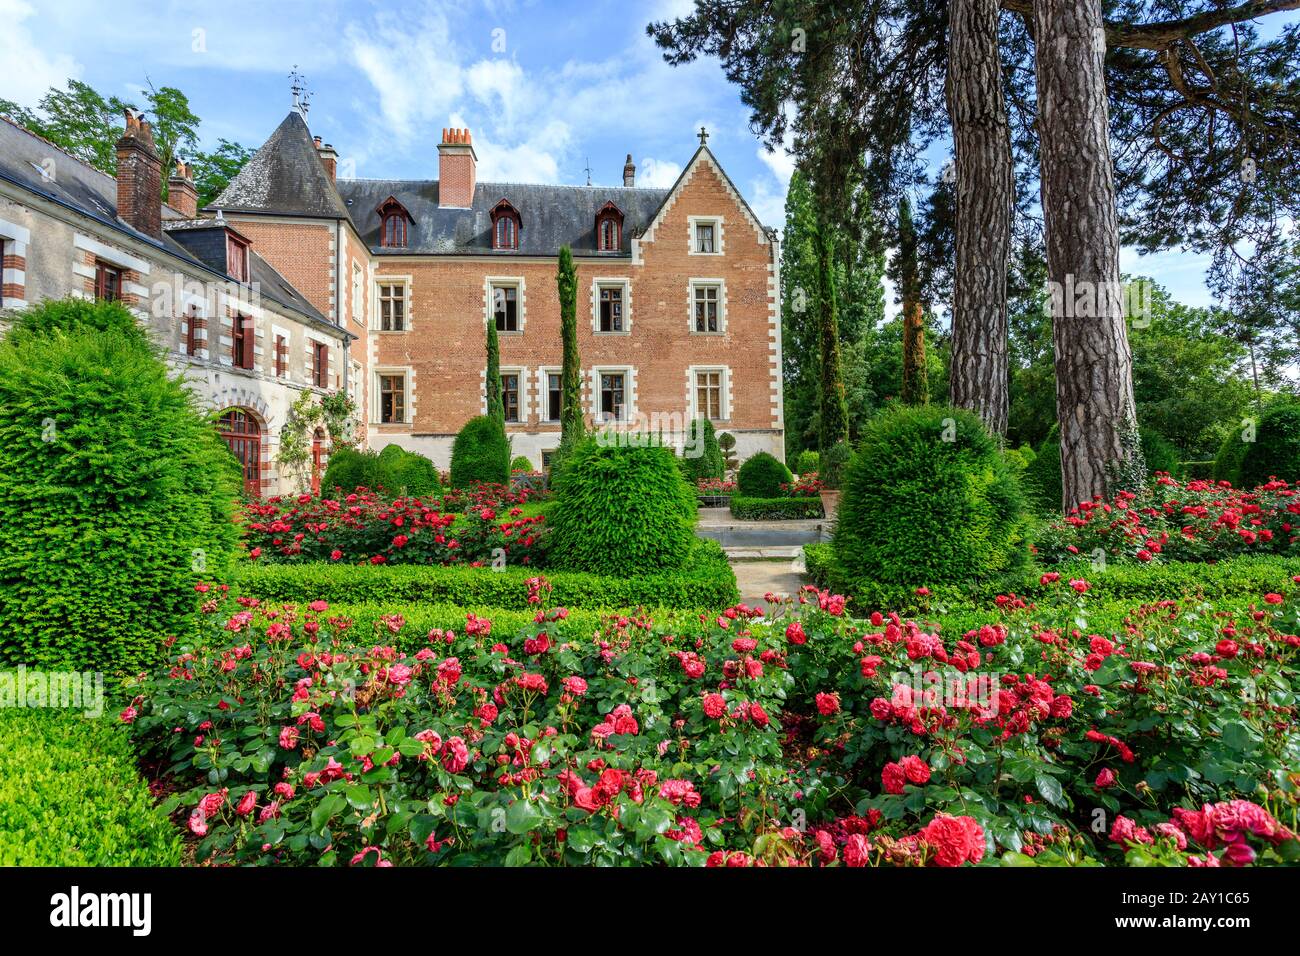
(298, 87)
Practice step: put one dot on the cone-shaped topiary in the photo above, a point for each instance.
(761, 476)
(480, 453)
(1275, 452)
(116, 497)
(701, 456)
(621, 509)
(929, 499)
(1229, 458)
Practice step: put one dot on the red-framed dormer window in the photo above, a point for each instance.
(506, 226)
(393, 221)
(609, 228)
(236, 258)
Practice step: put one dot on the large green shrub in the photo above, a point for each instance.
(480, 453)
(761, 476)
(79, 315)
(116, 497)
(521, 463)
(621, 509)
(808, 462)
(928, 499)
(1275, 452)
(1229, 459)
(413, 474)
(702, 458)
(353, 468)
(1041, 479)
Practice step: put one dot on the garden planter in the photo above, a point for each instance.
(830, 502)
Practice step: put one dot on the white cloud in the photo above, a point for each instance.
(657, 173)
(29, 72)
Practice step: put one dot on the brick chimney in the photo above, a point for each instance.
(139, 178)
(328, 156)
(181, 194)
(457, 169)
(629, 172)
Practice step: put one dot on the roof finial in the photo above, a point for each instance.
(298, 87)
(588, 170)
(704, 136)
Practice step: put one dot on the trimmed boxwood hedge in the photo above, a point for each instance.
(775, 509)
(1240, 578)
(1275, 452)
(761, 476)
(71, 795)
(705, 581)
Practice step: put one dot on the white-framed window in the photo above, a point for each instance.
(392, 393)
(705, 235)
(505, 303)
(708, 306)
(514, 390)
(710, 392)
(611, 306)
(550, 391)
(392, 301)
(358, 293)
(613, 393)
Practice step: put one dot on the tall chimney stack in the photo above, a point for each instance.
(181, 194)
(328, 156)
(457, 169)
(629, 172)
(139, 178)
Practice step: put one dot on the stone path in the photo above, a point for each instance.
(766, 555)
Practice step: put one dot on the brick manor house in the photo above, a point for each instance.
(384, 288)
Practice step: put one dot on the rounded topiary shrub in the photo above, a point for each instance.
(621, 509)
(116, 498)
(929, 499)
(1275, 452)
(1229, 458)
(413, 474)
(521, 463)
(762, 477)
(480, 453)
(807, 463)
(353, 468)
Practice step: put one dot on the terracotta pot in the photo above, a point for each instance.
(830, 503)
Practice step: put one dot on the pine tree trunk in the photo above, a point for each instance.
(916, 384)
(982, 141)
(1094, 366)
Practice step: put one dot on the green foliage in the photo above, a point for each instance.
(1042, 477)
(808, 462)
(414, 474)
(761, 476)
(702, 458)
(928, 499)
(1229, 459)
(702, 579)
(1276, 449)
(1019, 459)
(1159, 454)
(833, 423)
(72, 316)
(1190, 470)
(480, 453)
(521, 463)
(71, 795)
(621, 509)
(213, 171)
(833, 461)
(775, 509)
(571, 420)
(353, 468)
(496, 408)
(116, 497)
(727, 446)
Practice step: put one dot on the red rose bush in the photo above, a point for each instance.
(795, 737)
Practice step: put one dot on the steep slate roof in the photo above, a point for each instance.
(551, 216)
(285, 176)
(86, 190)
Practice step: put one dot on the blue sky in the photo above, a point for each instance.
(546, 86)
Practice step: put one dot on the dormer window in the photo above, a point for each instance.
(236, 258)
(393, 220)
(609, 228)
(506, 226)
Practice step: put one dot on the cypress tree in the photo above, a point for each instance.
(496, 408)
(916, 385)
(566, 281)
(834, 424)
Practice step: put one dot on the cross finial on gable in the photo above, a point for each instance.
(704, 136)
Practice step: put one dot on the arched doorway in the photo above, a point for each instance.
(317, 459)
(241, 432)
